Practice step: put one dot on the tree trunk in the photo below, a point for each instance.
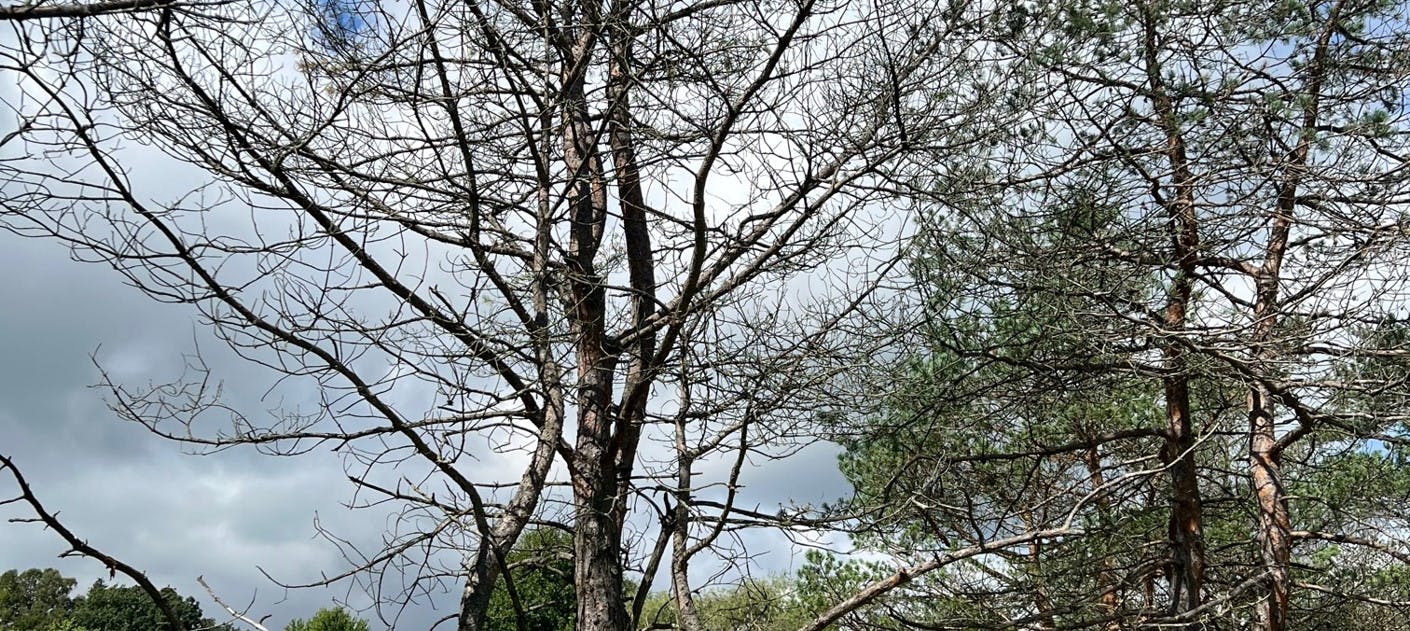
(1186, 572)
(599, 500)
(1265, 451)
(597, 556)
(1274, 523)
(598, 494)
(1106, 575)
(479, 586)
(687, 614)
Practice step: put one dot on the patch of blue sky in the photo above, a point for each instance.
(343, 25)
(348, 17)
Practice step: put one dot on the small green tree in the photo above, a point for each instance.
(64, 624)
(330, 619)
(781, 603)
(769, 604)
(541, 565)
(34, 598)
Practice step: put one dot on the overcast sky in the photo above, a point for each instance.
(175, 515)
(130, 494)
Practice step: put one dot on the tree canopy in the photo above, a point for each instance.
(42, 600)
(127, 608)
(34, 598)
(330, 619)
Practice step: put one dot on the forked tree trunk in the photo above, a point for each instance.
(1265, 449)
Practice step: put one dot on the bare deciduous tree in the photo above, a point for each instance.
(505, 228)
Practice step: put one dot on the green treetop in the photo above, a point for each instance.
(332, 619)
(127, 608)
(34, 598)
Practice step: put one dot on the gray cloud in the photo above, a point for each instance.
(227, 515)
(130, 493)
